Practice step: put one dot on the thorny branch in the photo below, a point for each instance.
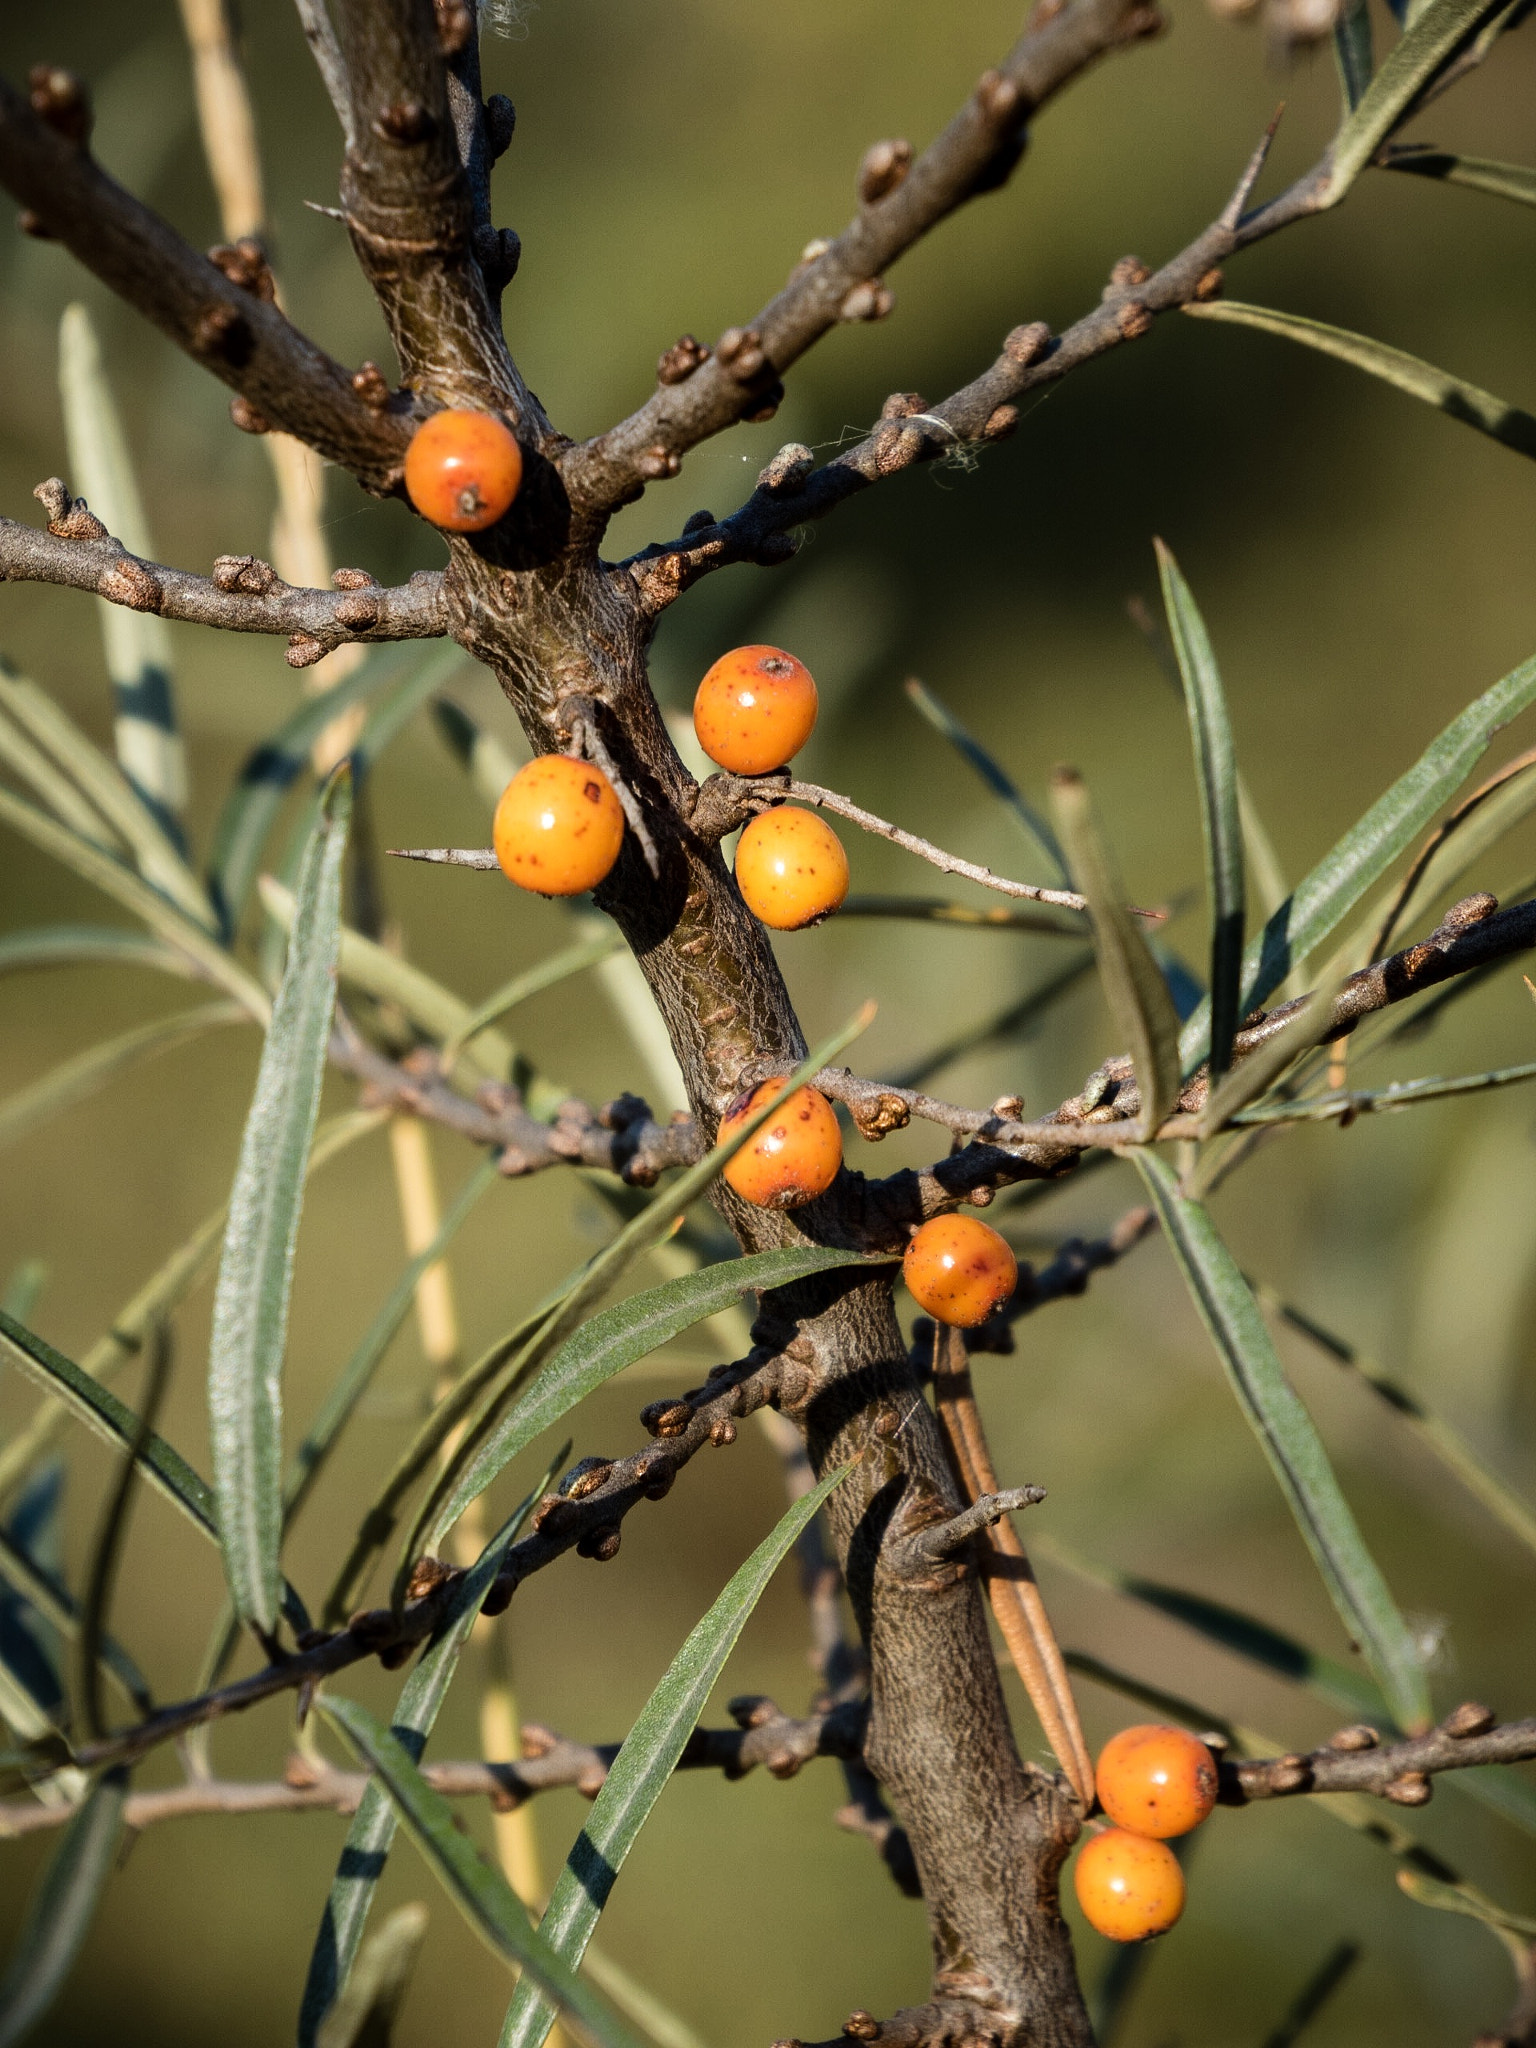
(997, 1146)
(763, 1736)
(791, 490)
(585, 1515)
(701, 391)
(534, 603)
(228, 327)
(243, 595)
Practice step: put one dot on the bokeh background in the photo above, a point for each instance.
(1365, 568)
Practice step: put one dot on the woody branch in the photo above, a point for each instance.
(998, 1148)
(243, 595)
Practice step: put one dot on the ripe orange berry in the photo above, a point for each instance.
(790, 868)
(1129, 1888)
(462, 470)
(755, 709)
(1156, 1781)
(959, 1269)
(795, 1155)
(558, 826)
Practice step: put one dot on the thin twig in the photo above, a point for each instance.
(946, 863)
(549, 1763)
(244, 594)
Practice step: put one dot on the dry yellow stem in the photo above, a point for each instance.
(1009, 1578)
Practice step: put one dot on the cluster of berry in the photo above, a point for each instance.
(1153, 1783)
(558, 830)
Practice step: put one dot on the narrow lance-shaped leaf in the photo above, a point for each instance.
(1426, 1891)
(372, 1832)
(481, 1894)
(603, 1347)
(1133, 982)
(277, 764)
(1480, 822)
(1267, 1062)
(78, 1079)
(1244, 1635)
(70, 945)
(531, 982)
(1437, 1435)
(41, 1592)
(1216, 766)
(1357, 1102)
(647, 1760)
(58, 791)
(1353, 53)
(110, 1419)
(102, 1573)
(138, 647)
(62, 1908)
(160, 1295)
(364, 2015)
(1415, 60)
(1319, 1988)
(1367, 850)
(365, 964)
(1477, 173)
(250, 1309)
(1453, 396)
(154, 848)
(1001, 784)
(104, 872)
(1290, 1442)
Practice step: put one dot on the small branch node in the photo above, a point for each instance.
(740, 349)
(371, 386)
(245, 264)
(884, 167)
(871, 300)
(127, 582)
(68, 518)
(1413, 1788)
(997, 97)
(304, 650)
(248, 574)
(786, 471)
(1360, 1736)
(1129, 271)
(59, 98)
(455, 26)
(1470, 1718)
(405, 122)
(679, 362)
(247, 418)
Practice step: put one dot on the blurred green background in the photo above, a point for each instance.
(1365, 568)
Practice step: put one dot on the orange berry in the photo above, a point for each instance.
(462, 470)
(795, 1155)
(1156, 1781)
(755, 709)
(558, 826)
(959, 1269)
(790, 868)
(1129, 1888)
